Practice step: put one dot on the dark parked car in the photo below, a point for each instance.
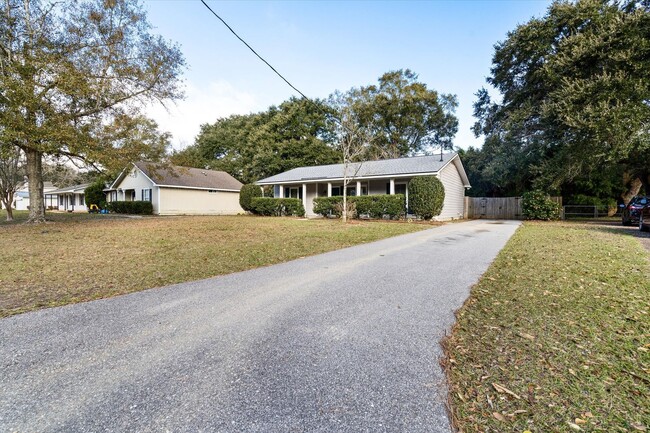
(632, 211)
(644, 219)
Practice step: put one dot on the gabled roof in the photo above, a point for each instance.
(415, 165)
(183, 177)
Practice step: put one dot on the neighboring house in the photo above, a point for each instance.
(21, 199)
(389, 176)
(72, 198)
(174, 190)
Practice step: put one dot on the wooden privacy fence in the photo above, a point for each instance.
(499, 208)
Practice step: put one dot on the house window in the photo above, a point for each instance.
(72, 200)
(337, 190)
(146, 195)
(352, 190)
(293, 192)
(81, 200)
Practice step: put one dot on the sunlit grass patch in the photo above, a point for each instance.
(556, 336)
(81, 257)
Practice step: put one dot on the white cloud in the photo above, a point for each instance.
(203, 104)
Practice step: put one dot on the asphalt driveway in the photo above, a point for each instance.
(340, 342)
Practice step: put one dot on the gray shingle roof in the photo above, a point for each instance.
(386, 167)
(189, 177)
(70, 189)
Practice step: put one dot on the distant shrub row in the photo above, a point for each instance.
(131, 207)
(268, 206)
(373, 206)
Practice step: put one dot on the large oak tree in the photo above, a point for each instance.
(74, 79)
(404, 115)
(575, 93)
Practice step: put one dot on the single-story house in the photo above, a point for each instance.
(71, 199)
(21, 198)
(389, 176)
(174, 190)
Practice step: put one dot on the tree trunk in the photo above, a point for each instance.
(35, 179)
(10, 211)
(344, 214)
(644, 177)
(635, 187)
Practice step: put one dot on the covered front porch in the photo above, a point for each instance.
(71, 202)
(308, 191)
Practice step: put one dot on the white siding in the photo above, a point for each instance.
(184, 201)
(454, 204)
(137, 181)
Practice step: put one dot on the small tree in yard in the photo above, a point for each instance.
(247, 194)
(426, 196)
(353, 139)
(11, 175)
(94, 194)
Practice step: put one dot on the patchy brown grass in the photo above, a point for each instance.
(87, 257)
(556, 336)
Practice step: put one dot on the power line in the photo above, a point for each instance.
(254, 52)
(318, 106)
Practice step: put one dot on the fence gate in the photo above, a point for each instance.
(504, 208)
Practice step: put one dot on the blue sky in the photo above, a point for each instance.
(326, 46)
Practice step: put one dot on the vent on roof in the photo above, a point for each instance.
(204, 173)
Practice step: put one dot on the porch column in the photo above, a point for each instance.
(407, 197)
(329, 189)
(392, 187)
(281, 191)
(262, 189)
(358, 188)
(304, 196)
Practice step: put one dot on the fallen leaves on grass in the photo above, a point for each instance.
(587, 350)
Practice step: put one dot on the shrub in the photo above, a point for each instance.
(537, 205)
(248, 192)
(131, 207)
(94, 194)
(375, 206)
(426, 196)
(268, 206)
(328, 206)
(351, 206)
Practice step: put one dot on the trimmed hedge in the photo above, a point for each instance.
(131, 207)
(375, 206)
(537, 205)
(426, 196)
(248, 192)
(268, 206)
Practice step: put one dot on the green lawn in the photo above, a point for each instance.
(82, 257)
(556, 336)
